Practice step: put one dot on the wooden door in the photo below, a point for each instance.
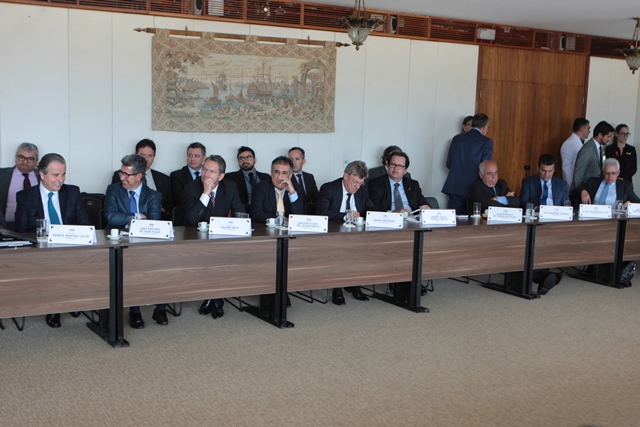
(531, 99)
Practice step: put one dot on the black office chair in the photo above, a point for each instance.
(98, 196)
(179, 216)
(93, 207)
(432, 202)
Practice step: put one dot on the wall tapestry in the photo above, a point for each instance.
(207, 85)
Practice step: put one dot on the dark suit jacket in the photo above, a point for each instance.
(30, 208)
(330, 200)
(5, 182)
(532, 191)
(381, 194)
(624, 190)
(263, 203)
(311, 189)
(227, 200)
(179, 179)
(116, 205)
(3, 223)
(628, 160)
(238, 178)
(163, 185)
(479, 192)
(466, 152)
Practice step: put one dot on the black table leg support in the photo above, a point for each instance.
(110, 326)
(400, 299)
(513, 287)
(616, 271)
(277, 315)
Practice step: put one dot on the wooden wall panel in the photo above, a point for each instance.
(531, 99)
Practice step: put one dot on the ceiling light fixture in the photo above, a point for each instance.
(632, 53)
(358, 25)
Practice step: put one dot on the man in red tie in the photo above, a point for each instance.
(20, 177)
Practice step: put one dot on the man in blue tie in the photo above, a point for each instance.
(132, 199)
(607, 190)
(53, 200)
(544, 188)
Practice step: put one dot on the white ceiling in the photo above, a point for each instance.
(592, 17)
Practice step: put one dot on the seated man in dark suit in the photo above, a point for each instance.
(607, 190)
(132, 199)
(154, 179)
(53, 200)
(247, 177)
(405, 196)
(339, 196)
(3, 223)
(196, 154)
(276, 195)
(489, 190)
(304, 182)
(544, 188)
(211, 196)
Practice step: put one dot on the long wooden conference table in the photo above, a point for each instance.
(111, 275)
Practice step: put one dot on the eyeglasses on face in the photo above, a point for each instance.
(243, 158)
(125, 174)
(624, 133)
(396, 166)
(26, 159)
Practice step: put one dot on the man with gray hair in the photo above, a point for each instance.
(16, 178)
(132, 199)
(607, 190)
(346, 194)
(53, 200)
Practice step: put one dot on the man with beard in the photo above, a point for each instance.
(247, 177)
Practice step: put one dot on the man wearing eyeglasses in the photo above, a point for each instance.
(154, 179)
(20, 177)
(247, 177)
(132, 199)
(339, 196)
(395, 192)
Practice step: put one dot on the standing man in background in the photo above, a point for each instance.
(591, 155)
(196, 154)
(20, 177)
(247, 177)
(570, 148)
(466, 152)
(303, 182)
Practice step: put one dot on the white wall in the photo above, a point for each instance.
(613, 97)
(78, 83)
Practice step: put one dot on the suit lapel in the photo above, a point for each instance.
(63, 199)
(37, 202)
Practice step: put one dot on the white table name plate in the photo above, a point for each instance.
(441, 217)
(498, 214)
(230, 226)
(309, 223)
(595, 211)
(385, 219)
(151, 229)
(72, 234)
(556, 213)
(633, 210)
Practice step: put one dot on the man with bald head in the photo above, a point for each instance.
(20, 177)
(490, 190)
